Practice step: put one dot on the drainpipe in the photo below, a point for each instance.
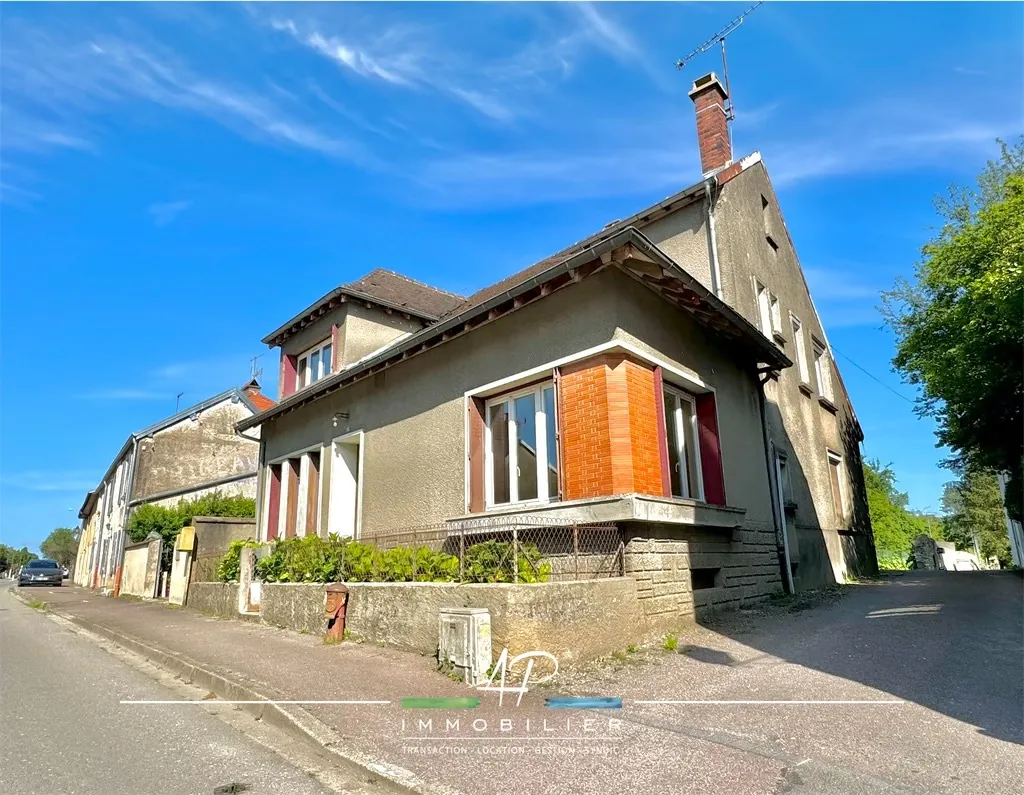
(716, 272)
(778, 509)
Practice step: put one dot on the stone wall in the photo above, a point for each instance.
(683, 571)
(214, 598)
(296, 606)
(214, 535)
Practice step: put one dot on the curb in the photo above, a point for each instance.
(294, 720)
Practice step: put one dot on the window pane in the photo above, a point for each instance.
(672, 430)
(690, 448)
(526, 446)
(314, 366)
(549, 420)
(326, 359)
(303, 371)
(498, 422)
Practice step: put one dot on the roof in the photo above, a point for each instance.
(249, 395)
(382, 287)
(626, 248)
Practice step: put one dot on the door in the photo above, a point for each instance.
(343, 513)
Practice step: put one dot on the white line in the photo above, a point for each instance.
(499, 739)
(256, 701)
(730, 702)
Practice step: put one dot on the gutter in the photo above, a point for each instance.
(711, 194)
(628, 235)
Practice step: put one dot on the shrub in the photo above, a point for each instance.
(893, 561)
(492, 561)
(230, 565)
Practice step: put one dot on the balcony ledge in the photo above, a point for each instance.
(615, 508)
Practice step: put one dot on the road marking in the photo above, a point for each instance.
(242, 701)
(772, 703)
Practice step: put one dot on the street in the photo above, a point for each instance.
(63, 732)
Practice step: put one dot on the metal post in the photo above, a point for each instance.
(515, 554)
(462, 555)
(576, 548)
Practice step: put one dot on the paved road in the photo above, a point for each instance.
(62, 731)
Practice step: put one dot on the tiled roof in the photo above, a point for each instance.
(398, 290)
(261, 401)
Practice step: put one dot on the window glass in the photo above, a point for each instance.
(314, 366)
(690, 447)
(326, 360)
(303, 374)
(549, 417)
(672, 429)
(526, 446)
(498, 424)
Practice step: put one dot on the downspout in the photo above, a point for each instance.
(716, 272)
(778, 510)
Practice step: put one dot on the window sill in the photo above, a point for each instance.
(827, 404)
(779, 337)
(806, 388)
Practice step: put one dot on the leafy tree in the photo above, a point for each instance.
(11, 558)
(61, 545)
(960, 325)
(974, 512)
(893, 524)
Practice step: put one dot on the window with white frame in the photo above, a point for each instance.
(683, 448)
(801, 348)
(314, 364)
(522, 447)
(836, 476)
(293, 496)
(822, 370)
(769, 311)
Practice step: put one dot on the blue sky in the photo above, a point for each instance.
(178, 179)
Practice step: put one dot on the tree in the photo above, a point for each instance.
(974, 512)
(11, 558)
(960, 325)
(61, 545)
(894, 526)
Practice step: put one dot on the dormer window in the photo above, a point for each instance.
(314, 364)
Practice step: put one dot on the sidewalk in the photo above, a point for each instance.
(472, 760)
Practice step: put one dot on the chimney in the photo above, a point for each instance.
(709, 97)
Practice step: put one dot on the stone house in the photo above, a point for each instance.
(187, 455)
(668, 374)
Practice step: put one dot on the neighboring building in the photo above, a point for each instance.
(1014, 529)
(671, 371)
(195, 452)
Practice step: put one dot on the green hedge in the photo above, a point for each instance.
(893, 561)
(335, 559)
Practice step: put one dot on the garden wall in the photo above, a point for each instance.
(214, 535)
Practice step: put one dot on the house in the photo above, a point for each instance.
(187, 455)
(669, 375)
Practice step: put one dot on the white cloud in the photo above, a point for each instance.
(165, 212)
(124, 394)
(832, 284)
(49, 481)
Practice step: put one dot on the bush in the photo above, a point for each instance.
(334, 559)
(230, 565)
(893, 561)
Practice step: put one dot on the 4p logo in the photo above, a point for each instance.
(504, 666)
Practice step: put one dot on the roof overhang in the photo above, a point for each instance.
(88, 506)
(334, 299)
(627, 249)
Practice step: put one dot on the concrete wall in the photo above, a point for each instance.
(683, 236)
(141, 569)
(214, 598)
(192, 453)
(367, 329)
(297, 606)
(214, 535)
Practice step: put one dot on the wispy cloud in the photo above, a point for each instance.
(124, 394)
(165, 212)
(48, 481)
(833, 284)
(969, 71)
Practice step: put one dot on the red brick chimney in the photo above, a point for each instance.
(709, 97)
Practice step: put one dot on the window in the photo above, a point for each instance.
(801, 348)
(769, 312)
(314, 364)
(293, 500)
(522, 447)
(835, 469)
(822, 370)
(683, 450)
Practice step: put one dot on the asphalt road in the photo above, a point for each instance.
(62, 730)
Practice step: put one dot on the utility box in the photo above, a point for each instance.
(464, 641)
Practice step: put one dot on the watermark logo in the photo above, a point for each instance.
(505, 667)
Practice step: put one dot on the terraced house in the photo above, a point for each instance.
(668, 375)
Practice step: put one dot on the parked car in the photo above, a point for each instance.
(40, 572)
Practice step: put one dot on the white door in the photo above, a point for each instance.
(344, 507)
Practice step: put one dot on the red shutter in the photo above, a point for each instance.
(710, 450)
(475, 429)
(659, 408)
(274, 504)
(288, 365)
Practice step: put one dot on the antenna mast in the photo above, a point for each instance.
(716, 39)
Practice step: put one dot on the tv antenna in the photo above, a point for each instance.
(719, 38)
(253, 371)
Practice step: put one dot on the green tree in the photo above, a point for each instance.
(11, 558)
(959, 325)
(61, 545)
(894, 526)
(974, 512)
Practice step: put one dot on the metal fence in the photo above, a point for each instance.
(515, 549)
